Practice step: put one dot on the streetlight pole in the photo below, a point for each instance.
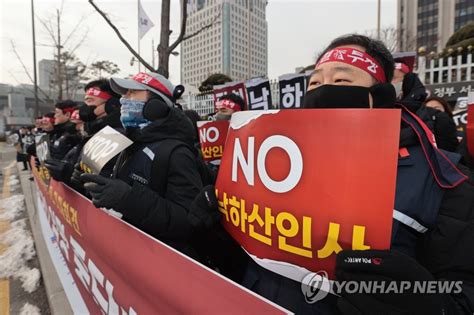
(34, 60)
(378, 19)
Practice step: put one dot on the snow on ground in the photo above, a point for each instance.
(19, 244)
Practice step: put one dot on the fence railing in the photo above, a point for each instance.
(430, 70)
(446, 70)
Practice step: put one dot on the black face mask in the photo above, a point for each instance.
(223, 117)
(337, 96)
(86, 113)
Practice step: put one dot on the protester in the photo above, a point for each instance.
(444, 127)
(213, 244)
(61, 170)
(440, 104)
(25, 139)
(63, 137)
(76, 120)
(227, 105)
(157, 178)
(47, 123)
(411, 93)
(38, 123)
(435, 248)
(409, 89)
(101, 109)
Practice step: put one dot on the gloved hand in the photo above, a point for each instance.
(76, 176)
(105, 192)
(204, 212)
(59, 170)
(386, 266)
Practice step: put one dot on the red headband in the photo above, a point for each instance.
(228, 104)
(75, 115)
(402, 67)
(68, 110)
(355, 57)
(93, 91)
(150, 81)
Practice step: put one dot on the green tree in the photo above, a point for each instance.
(102, 67)
(463, 37)
(214, 79)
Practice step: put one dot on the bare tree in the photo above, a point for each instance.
(46, 95)
(392, 38)
(165, 49)
(65, 52)
(388, 35)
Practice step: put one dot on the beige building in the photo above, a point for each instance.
(430, 23)
(235, 45)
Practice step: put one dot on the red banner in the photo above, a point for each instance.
(212, 135)
(121, 270)
(470, 124)
(299, 186)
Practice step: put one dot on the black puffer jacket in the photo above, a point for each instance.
(414, 92)
(467, 158)
(63, 138)
(444, 129)
(162, 215)
(447, 250)
(414, 95)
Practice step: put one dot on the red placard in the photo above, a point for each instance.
(212, 135)
(299, 186)
(121, 270)
(470, 124)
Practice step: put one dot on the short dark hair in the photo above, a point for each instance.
(65, 104)
(375, 48)
(443, 102)
(103, 85)
(49, 115)
(234, 98)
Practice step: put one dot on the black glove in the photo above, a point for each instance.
(59, 170)
(76, 176)
(105, 192)
(380, 265)
(204, 212)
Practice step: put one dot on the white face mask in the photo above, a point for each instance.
(398, 89)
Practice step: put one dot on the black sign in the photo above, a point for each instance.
(259, 94)
(451, 91)
(101, 148)
(292, 90)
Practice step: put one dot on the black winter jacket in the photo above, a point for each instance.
(444, 129)
(162, 215)
(63, 138)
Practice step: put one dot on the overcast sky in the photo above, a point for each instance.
(297, 31)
